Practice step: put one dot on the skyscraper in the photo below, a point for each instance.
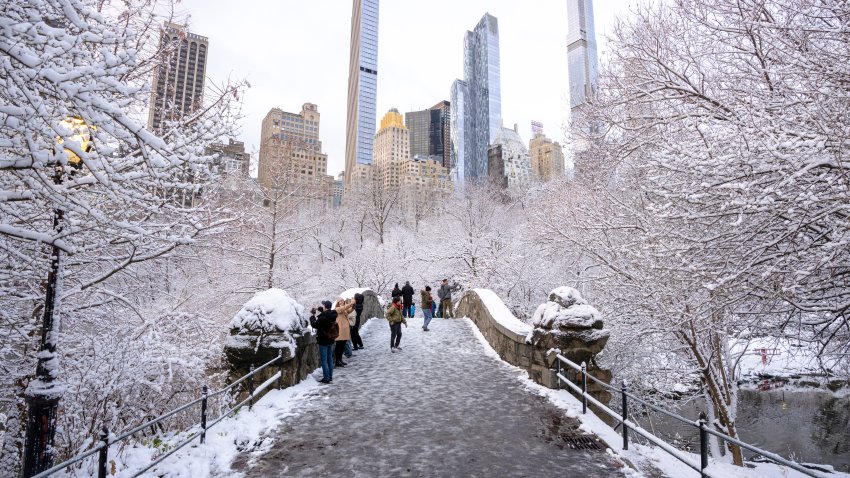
(430, 133)
(481, 95)
(547, 157)
(178, 82)
(362, 85)
(581, 51)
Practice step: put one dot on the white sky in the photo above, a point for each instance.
(296, 51)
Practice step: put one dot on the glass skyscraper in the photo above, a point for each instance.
(581, 51)
(476, 102)
(362, 85)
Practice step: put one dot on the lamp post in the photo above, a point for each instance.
(43, 393)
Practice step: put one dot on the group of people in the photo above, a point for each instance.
(338, 325)
(337, 332)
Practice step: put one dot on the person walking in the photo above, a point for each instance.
(396, 291)
(342, 309)
(355, 331)
(326, 338)
(395, 319)
(427, 304)
(445, 295)
(407, 300)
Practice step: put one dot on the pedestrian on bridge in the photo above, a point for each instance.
(407, 299)
(343, 308)
(325, 337)
(445, 294)
(395, 319)
(427, 306)
(355, 331)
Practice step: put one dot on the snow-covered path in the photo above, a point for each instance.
(440, 407)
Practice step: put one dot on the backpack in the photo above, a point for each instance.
(333, 331)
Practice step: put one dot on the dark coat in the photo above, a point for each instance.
(396, 292)
(322, 323)
(407, 295)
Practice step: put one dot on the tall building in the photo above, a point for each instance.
(392, 146)
(291, 157)
(430, 133)
(178, 82)
(362, 85)
(581, 51)
(477, 101)
(547, 158)
(508, 162)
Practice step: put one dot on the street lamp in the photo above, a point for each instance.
(43, 393)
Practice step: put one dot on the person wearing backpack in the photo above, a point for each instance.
(343, 308)
(395, 319)
(326, 334)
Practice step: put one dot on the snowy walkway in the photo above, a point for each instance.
(440, 407)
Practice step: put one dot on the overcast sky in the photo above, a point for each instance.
(295, 51)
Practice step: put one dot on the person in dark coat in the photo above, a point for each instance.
(355, 330)
(322, 324)
(396, 291)
(407, 299)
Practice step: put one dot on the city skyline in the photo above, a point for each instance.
(311, 63)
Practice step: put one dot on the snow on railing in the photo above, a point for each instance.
(105, 441)
(629, 425)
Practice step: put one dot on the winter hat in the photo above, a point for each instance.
(327, 304)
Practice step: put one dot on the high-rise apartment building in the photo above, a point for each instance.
(178, 82)
(581, 51)
(547, 158)
(508, 162)
(362, 85)
(430, 132)
(291, 157)
(476, 103)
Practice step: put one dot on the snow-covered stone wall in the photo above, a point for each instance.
(269, 323)
(566, 323)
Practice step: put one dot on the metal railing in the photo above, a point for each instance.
(106, 441)
(631, 426)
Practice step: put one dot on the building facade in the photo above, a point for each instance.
(232, 157)
(508, 162)
(291, 157)
(480, 92)
(581, 51)
(362, 84)
(547, 158)
(178, 82)
(430, 132)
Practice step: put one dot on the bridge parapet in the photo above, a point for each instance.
(565, 324)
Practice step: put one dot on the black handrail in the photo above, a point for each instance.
(106, 441)
(628, 425)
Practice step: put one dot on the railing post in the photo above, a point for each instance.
(625, 416)
(558, 373)
(103, 453)
(703, 445)
(280, 369)
(203, 414)
(251, 388)
(583, 388)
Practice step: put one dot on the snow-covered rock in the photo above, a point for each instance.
(271, 310)
(568, 323)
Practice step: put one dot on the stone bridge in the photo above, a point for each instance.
(445, 405)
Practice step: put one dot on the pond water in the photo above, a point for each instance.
(805, 426)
